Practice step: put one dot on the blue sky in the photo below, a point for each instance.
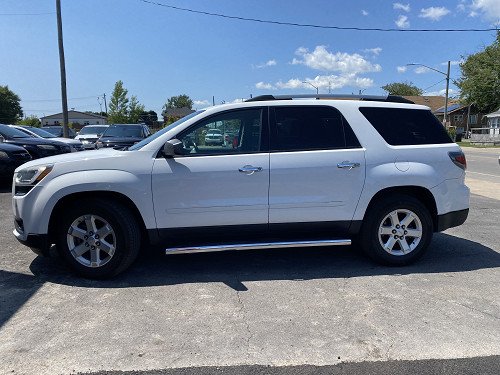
(160, 52)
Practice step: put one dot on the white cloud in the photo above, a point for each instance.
(442, 92)
(323, 82)
(322, 59)
(489, 9)
(402, 22)
(401, 69)
(400, 6)
(364, 12)
(376, 51)
(266, 64)
(421, 70)
(264, 86)
(434, 13)
(201, 102)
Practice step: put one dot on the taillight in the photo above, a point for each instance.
(458, 158)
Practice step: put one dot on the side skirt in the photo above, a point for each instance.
(255, 246)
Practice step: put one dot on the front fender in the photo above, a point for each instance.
(41, 200)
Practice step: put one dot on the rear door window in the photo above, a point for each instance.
(402, 127)
(303, 128)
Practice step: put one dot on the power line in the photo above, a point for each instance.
(26, 14)
(309, 25)
(437, 83)
(57, 100)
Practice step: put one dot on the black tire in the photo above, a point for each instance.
(125, 238)
(377, 216)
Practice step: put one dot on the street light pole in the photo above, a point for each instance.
(316, 87)
(447, 74)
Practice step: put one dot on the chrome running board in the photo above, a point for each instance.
(255, 246)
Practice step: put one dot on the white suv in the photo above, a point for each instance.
(304, 172)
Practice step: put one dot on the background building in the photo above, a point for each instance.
(76, 118)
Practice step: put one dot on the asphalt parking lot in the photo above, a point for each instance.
(300, 311)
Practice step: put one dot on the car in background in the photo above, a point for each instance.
(40, 133)
(89, 135)
(37, 147)
(123, 135)
(11, 157)
(214, 137)
(57, 130)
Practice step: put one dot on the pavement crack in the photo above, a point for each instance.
(243, 314)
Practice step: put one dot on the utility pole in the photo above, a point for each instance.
(446, 98)
(105, 104)
(447, 74)
(63, 70)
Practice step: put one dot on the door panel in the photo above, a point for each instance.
(210, 191)
(215, 183)
(317, 165)
(308, 186)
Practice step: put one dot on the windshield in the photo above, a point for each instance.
(126, 131)
(159, 133)
(92, 130)
(10, 133)
(41, 132)
(55, 131)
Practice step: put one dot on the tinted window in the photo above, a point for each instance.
(232, 132)
(401, 127)
(123, 131)
(92, 130)
(311, 128)
(9, 132)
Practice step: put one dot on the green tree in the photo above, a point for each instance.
(30, 121)
(480, 79)
(179, 101)
(402, 88)
(10, 106)
(118, 105)
(135, 109)
(148, 117)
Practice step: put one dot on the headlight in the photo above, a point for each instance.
(33, 175)
(46, 147)
(3, 155)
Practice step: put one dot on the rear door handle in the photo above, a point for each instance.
(347, 165)
(250, 169)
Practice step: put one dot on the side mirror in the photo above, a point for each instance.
(171, 148)
(2, 139)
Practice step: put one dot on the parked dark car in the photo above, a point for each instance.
(123, 135)
(11, 157)
(37, 147)
(40, 133)
(57, 130)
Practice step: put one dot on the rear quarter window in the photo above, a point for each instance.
(402, 126)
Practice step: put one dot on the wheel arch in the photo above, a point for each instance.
(420, 193)
(108, 195)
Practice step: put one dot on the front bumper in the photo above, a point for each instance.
(38, 243)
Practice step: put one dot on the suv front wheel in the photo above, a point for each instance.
(397, 230)
(98, 238)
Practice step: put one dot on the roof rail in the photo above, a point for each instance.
(371, 98)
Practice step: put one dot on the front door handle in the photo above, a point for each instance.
(250, 169)
(347, 165)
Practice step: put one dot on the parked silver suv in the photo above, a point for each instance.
(309, 172)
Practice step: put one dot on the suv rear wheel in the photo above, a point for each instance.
(98, 238)
(397, 230)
